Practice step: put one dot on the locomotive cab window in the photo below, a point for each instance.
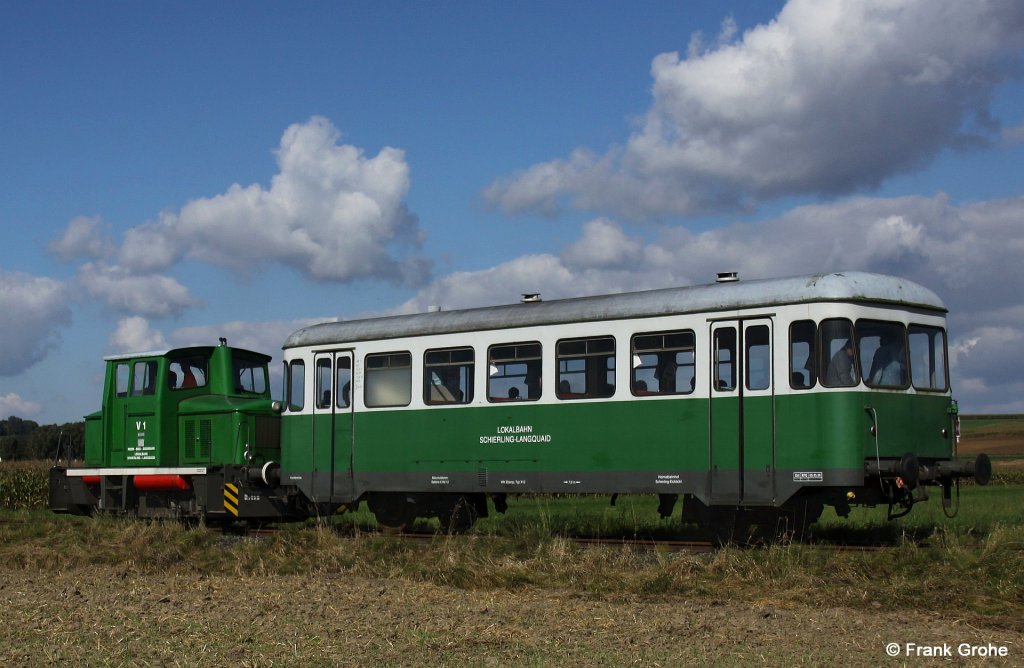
(514, 372)
(144, 382)
(928, 358)
(448, 376)
(121, 379)
(838, 353)
(802, 335)
(186, 373)
(663, 363)
(388, 380)
(883, 353)
(250, 375)
(586, 368)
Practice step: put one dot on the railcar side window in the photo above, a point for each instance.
(343, 382)
(586, 368)
(323, 382)
(757, 340)
(663, 363)
(838, 351)
(448, 376)
(928, 358)
(121, 379)
(514, 372)
(725, 359)
(883, 353)
(388, 380)
(802, 334)
(145, 379)
(295, 379)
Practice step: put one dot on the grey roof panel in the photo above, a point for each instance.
(837, 287)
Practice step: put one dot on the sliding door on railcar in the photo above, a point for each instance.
(332, 426)
(742, 412)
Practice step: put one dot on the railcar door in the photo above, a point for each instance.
(742, 412)
(332, 427)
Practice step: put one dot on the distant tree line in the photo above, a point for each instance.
(25, 439)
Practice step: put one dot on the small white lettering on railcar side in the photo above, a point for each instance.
(808, 476)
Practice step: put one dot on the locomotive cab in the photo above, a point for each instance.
(179, 434)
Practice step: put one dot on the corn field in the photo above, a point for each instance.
(24, 484)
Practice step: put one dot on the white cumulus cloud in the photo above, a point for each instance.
(331, 212)
(34, 311)
(135, 335)
(829, 97)
(151, 295)
(12, 404)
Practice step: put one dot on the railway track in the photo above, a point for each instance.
(668, 545)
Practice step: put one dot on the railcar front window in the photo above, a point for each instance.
(928, 358)
(883, 353)
(388, 380)
(802, 335)
(586, 368)
(514, 372)
(250, 376)
(296, 380)
(838, 352)
(663, 363)
(448, 376)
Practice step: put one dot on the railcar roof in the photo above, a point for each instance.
(730, 296)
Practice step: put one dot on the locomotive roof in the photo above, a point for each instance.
(184, 352)
(725, 296)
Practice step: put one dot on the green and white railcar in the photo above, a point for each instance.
(754, 400)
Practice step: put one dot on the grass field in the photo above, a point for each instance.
(516, 591)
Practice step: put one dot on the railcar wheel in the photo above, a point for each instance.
(460, 517)
(392, 511)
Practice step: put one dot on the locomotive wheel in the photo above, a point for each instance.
(460, 517)
(392, 511)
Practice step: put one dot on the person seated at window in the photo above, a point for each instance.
(840, 370)
(887, 363)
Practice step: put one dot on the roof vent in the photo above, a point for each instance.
(727, 277)
(530, 297)
(433, 308)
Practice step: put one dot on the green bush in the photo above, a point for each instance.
(24, 484)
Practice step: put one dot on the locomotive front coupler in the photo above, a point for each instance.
(268, 474)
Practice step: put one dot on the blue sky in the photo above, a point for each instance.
(178, 172)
